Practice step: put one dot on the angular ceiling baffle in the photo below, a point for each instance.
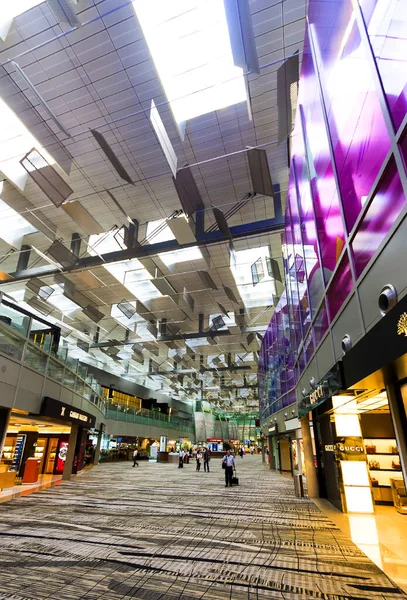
(67, 286)
(164, 287)
(111, 156)
(187, 191)
(273, 268)
(288, 75)
(188, 299)
(60, 254)
(260, 172)
(42, 307)
(229, 293)
(241, 35)
(41, 289)
(223, 309)
(218, 323)
(163, 138)
(127, 309)
(64, 12)
(221, 222)
(93, 314)
(207, 280)
(82, 217)
(250, 338)
(46, 177)
(183, 229)
(152, 328)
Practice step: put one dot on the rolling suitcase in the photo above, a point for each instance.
(235, 480)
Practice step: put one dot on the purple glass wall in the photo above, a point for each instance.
(352, 103)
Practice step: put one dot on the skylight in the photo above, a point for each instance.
(241, 263)
(11, 10)
(13, 227)
(16, 141)
(190, 45)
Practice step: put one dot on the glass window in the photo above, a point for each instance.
(357, 128)
(340, 287)
(35, 359)
(328, 216)
(387, 28)
(386, 206)
(403, 147)
(320, 324)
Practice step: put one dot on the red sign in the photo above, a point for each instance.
(216, 440)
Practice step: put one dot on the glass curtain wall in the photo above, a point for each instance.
(347, 185)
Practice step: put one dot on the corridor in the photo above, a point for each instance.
(161, 533)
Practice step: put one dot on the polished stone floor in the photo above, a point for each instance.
(161, 533)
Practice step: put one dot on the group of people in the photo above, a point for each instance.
(202, 455)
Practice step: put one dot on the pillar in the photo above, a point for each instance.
(66, 475)
(4, 421)
(76, 244)
(23, 258)
(96, 455)
(398, 417)
(312, 481)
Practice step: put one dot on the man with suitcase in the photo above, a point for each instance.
(229, 466)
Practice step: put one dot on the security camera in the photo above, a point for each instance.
(387, 299)
(346, 344)
(313, 383)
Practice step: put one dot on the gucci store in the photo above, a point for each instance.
(360, 431)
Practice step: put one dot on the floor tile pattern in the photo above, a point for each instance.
(161, 533)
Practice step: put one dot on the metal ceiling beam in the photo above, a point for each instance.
(178, 337)
(204, 239)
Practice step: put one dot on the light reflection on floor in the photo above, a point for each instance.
(382, 537)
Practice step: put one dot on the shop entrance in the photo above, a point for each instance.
(32, 437)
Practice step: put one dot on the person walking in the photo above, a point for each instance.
(198, 460)
(229, 462)
(206, 459)
(241, 451)
(135, 454)
(181, 459)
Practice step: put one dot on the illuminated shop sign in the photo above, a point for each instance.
(65, 412)
(330, 385)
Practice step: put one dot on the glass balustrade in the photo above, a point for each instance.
(27, 340)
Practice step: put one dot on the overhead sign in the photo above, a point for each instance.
(66, 412)
(273, 429)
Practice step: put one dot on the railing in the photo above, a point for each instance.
(22, 340)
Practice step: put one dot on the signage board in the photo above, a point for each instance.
(163, 443)
(216, 440)
(66, 412)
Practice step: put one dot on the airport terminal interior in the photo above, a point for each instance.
(203, 299)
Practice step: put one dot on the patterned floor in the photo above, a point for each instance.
(161, 533)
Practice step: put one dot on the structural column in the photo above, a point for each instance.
(4, 421)
(312, 481)
(66, 476)
(398, 417)
(96, 455)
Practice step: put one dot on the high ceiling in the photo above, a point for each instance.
(66, 81)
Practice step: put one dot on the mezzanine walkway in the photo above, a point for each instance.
(161, 533)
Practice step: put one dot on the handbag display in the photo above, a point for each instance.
(370, 449)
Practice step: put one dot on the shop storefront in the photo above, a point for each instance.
(44, 439)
